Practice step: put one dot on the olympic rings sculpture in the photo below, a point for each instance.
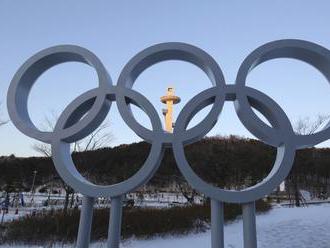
(87, 112)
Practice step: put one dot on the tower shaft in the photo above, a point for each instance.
(169, 117)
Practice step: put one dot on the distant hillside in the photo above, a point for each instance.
(230, 162)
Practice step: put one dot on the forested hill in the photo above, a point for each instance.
(228, 162)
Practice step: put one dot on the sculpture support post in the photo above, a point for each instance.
(115, 222)
(217, 221)
(249, 225)
(85, 223)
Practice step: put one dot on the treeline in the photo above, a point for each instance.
(229, 162)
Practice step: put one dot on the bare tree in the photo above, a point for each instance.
(101, 137)
(185, 189)
(304, 126)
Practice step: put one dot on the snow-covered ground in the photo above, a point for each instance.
(280, 228)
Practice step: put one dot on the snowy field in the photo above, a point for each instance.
(280, 228)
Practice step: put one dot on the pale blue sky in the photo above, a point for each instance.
(116, 30)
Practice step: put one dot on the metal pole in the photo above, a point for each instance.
(116, 210)
(85, 223)
(217, 222)
(32, 188)
(249, 225)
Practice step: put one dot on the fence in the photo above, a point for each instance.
(87, 112)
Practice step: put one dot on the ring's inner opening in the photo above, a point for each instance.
(229, 157)
(55, 89)
(299, 88)
(171, 78)
(107, 156)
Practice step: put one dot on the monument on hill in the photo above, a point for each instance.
(169, 99)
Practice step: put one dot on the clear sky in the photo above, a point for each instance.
(117, 30)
